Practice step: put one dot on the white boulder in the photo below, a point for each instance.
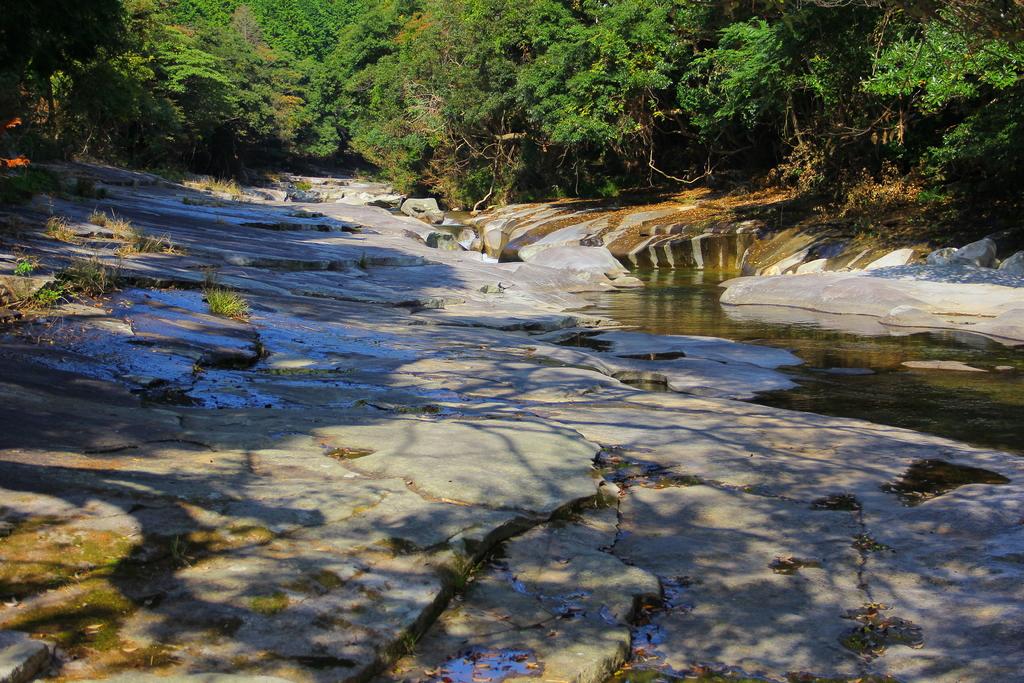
(900, 257)
(981, 254)
(424, 209)
(1014, 265)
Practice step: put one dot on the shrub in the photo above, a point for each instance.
(24, 267)
(86, 187)
(98, 218)
(88, 277)
(48, 295)
(19, 186)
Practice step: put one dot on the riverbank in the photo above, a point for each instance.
(800, 263)
(391, 467)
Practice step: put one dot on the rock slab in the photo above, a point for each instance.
(21, 657)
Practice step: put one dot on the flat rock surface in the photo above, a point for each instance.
(400, 464)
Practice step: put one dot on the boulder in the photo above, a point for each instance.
(579, 259)
(1014, 265)
(493, 241)
(981, 254)
(900, 257)
(443, 240)
(423, 209)
(466, 237)
(1008, 241)
(17, 288)
(941, 257)
(304, 196)
(386, 201)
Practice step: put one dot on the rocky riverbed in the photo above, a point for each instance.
(416, 463)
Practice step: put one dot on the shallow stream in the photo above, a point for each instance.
(852, 365)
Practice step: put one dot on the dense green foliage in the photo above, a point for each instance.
(477, 99)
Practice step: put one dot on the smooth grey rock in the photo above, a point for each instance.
(739, 612)
(941, 257)
(974, 300)
(981, 254)
(582, 259)
(21, 657)
(423, 209)
(1014, 265)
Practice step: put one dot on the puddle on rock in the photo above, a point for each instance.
(865, 543)
(667, 355)
(837, 501)
(162, 395)
(586, 340)
(642, 383)
(626, 472)
(791, 565)
(564, 606)
(927, 479)
(877, 632)
(647, 635)
(344, 453)
(481, 665)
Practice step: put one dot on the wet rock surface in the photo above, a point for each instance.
(396, 466)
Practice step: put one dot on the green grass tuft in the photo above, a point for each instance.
(225, 302)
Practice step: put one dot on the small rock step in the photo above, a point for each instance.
(21, 657)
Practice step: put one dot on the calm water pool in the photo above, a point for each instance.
(984, 408)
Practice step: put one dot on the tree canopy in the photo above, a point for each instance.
(517, 98)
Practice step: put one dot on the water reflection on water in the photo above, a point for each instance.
(982, 408)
